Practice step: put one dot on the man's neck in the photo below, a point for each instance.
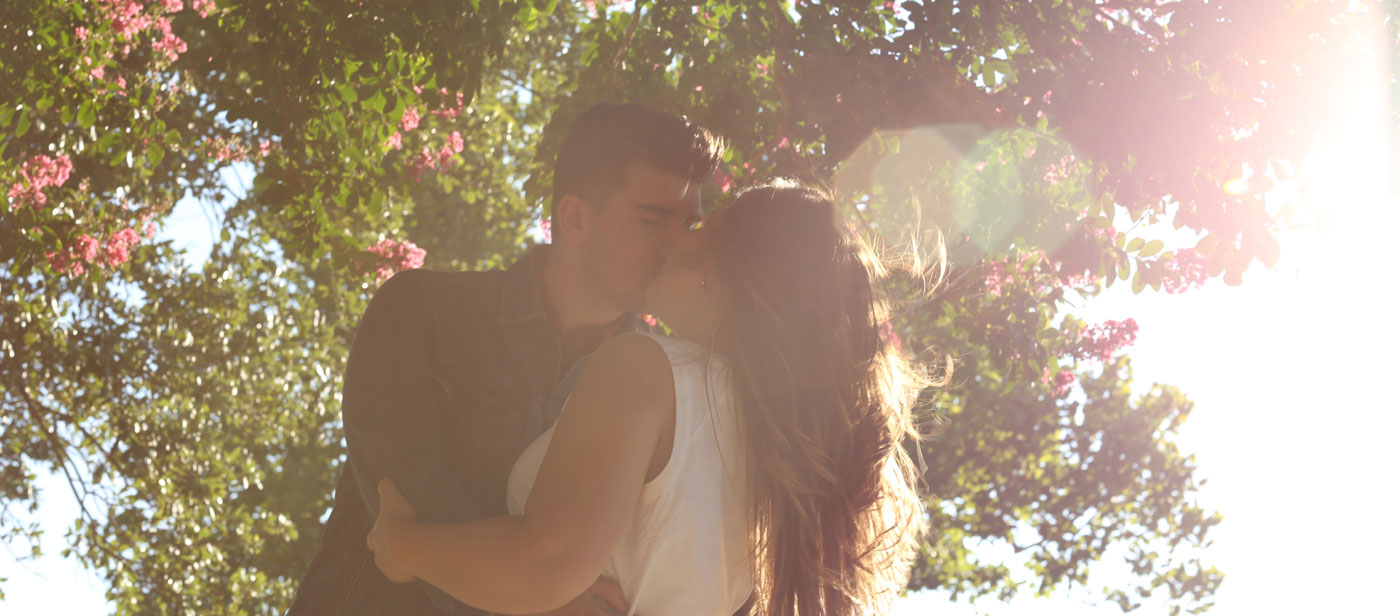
(576, 311)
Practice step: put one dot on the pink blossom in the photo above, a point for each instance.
(410, 119)
(172, 46)
(1054, 173)
(97, 72)
(546, 230)
(648, 319)
(996, 277)
(1063, 381)
(724, 179)
(1046, 98)
(173, 5)
(455, 142)
(81, 33)
(888, 335)
(1100, 342)
(981, 166)
(395, 256)
(38, 173)
(150, 230)
(264, 148)
(394, 141)
(86, 247)
(1185, 271)
(203, 6)
(62, 262)
(421, 162)
(118, 246)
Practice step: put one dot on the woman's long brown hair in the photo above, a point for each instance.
(825, 403)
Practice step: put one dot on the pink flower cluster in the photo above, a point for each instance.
(1035, 267)
(1056, 172)
(547, 229)
(409, 121)
(129, 19)
(169, 44)
(85, 250)
(233, 150)
(440, 160)
(450, 113)
(1100, 341)
(395, 256)
(1064, 379)
(36, 174)
(888, 334)
(724, 180)
(1185, 271)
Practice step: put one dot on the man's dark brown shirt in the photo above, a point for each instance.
(451, 376)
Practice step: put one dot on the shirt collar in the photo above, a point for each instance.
(522, 293)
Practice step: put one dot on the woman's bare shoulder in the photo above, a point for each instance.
(635, 358)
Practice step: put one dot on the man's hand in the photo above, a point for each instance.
(395, 514)
(603, 598)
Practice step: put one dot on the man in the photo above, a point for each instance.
(451, 375)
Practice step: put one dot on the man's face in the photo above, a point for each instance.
(633, 233)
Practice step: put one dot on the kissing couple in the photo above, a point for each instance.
(521, 441)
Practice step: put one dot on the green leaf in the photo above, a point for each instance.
(374, 103)
(347, 93)
(87, 114)
(376, 203)
(1138, 284)
(155, 154)
(1133, 245)
(44, 103)
(22, 126)
(7, 115)
(105, 142)
(527, 17)
(1150, 248)
(351, 66)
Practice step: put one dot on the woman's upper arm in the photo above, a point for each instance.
(593, 473)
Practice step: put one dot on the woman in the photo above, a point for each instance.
(756, 454)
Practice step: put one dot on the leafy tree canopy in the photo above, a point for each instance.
(194, 412)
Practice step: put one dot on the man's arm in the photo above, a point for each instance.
(393, 421)
(582, 501)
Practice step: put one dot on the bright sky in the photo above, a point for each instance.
(1294, 425)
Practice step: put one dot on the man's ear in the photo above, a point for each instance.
(575, 216)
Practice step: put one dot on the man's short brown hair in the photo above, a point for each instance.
(607, 138)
